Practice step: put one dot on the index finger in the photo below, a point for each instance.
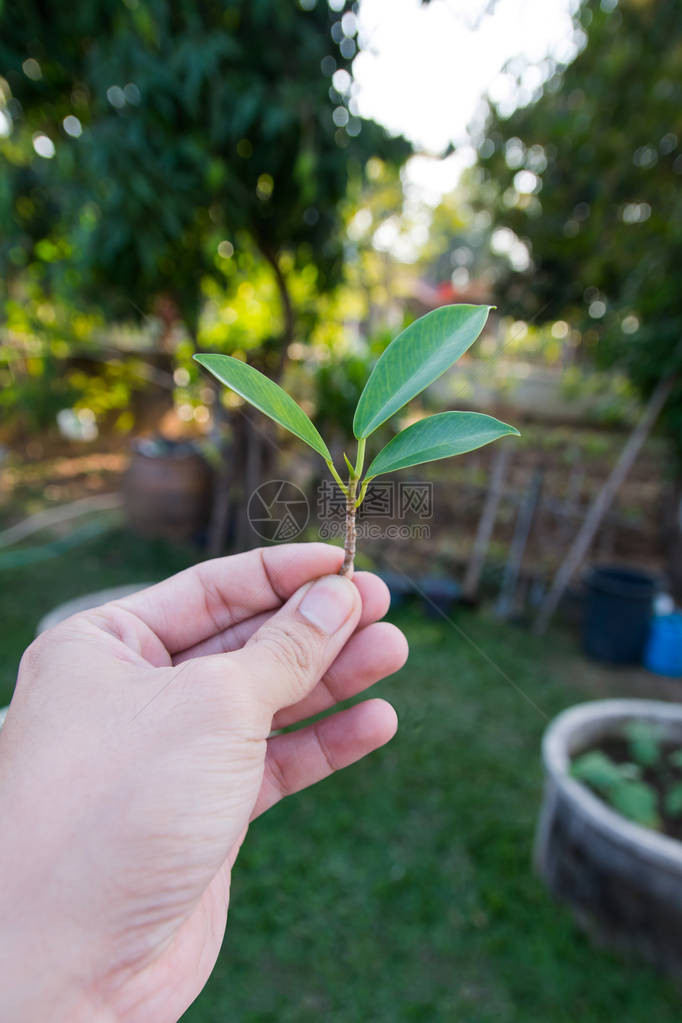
(215, 595)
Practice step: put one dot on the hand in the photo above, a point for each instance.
(136, 752)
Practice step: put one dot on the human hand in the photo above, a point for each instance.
(136, 752)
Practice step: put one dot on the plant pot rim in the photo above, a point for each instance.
(557, 749)
(87, 602)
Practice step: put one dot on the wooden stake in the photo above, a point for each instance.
(524, 521)
(486, 523)
(602, 502)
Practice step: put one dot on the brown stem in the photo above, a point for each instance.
(349, 546)
(168, 312)
(287, 308)
(222, 485)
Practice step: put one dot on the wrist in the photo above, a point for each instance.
(44, 960)
(32, 990)
(45, 975)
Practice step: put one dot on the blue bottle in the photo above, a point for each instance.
(663, 651)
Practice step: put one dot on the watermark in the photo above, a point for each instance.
(384, 500)
(278, 511)
(332, 530)
(393, 510)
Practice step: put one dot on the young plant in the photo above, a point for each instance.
(646, 788)
(411, 362)
(621, 785)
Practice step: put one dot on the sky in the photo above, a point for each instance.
(422, 70)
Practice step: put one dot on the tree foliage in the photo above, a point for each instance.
(174, 126)
(589, 176)
(180, 161)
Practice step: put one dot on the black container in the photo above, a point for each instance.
(617, 614)
(439, 596)
(399, 586)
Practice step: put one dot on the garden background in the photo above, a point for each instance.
(222, 177)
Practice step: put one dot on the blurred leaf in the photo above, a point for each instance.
(597, 770)
(675, 758)
(644, 742)
(673, 801)
(182, 108)
(632, 798)
(638, 802)
(586, 178)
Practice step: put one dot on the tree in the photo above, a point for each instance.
(156, 150)
(143, 134)
(588, 175)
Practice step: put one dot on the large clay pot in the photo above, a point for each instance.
(167, 490)
(622, 882)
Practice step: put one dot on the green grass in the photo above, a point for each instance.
(400, 890)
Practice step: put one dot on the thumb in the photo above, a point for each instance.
(290, 652)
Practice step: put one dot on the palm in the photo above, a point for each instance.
(174, 979)
(176, 736)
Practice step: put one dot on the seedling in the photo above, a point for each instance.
(647, 787)
(411, 362)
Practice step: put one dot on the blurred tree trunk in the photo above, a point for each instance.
(250, 474)
(167, 311)
(288, 316)
(222, 483)
(249, 458)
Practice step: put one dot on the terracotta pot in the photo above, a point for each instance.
(167, 490)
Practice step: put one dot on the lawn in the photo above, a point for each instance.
(400, 890)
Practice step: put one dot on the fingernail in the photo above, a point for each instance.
(328, 603)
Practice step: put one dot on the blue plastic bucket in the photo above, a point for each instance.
(663, 652)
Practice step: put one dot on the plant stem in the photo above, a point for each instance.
(354, 475)
(360, 459)
(363, 490)
(349, 546)
(342, 485)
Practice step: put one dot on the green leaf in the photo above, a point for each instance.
(415, 359)
(637, 801)
(631, 797)
(673, 800)
(265, 395)
(440, 436)
(644, 742)
(597, 770)
(675, 758)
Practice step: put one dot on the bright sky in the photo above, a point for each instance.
(422, 70)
